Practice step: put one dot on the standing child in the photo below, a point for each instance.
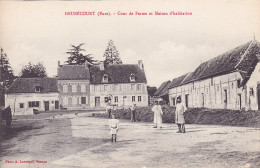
(113, 124)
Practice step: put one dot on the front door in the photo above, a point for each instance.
(56, 104)
(46, 105)
(258, 96)
(240, 101)
(187, 100)
(225, 99)
(124, 100)
(97, 101)
(202, 99)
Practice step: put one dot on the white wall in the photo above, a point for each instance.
(14, 100)
(210, 92)
(124, 92)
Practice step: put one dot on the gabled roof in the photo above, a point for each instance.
(119, 73)
(73, 72)
(163, 89)
(242, 59)
(178, 81)
(27, 85)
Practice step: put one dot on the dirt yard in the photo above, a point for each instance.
(83, 141)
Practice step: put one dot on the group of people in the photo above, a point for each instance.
(179, 115)
(158, 113)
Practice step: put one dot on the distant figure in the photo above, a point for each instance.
(157, 109)
(133, 112)
(108, 110)
(179, 115)
(7, 115)
(113, 124)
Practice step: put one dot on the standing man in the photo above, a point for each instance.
(108, 109)
(157, 109)
(179, 115)
(133, 112)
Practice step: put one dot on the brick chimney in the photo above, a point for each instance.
(101, 65)
(140, 64)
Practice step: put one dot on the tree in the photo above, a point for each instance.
(6, 72)
(33, 71)
(77, 57)
(111, 54)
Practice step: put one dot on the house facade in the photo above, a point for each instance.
(120, 84)
(229, 81)
(26, 94)
(74, 86)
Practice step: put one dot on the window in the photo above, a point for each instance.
(139, 87)
(132, 86)
(83, 100)
(96, 88)
(105, 78)
(132, 77)
(139, 98)
(105, 88)
(83, 88)
(124, 87)
(34, 104)
(37, 89)
(74, 88)
(115, 87)
(65, 101)
(21, 105)
(74, 100)
(65, 88)
(116, 99)
(133, 98)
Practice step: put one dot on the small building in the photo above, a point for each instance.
(162, 93)
(74, 86)
(120, 84)
(26, 94)
(228, 81)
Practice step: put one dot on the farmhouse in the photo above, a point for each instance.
(73, 85)
(26, 94)
(228, 81)
(121, 84)
(89, 86)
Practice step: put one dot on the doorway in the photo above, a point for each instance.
(258, 95)
(225, 99)
(240, 101)
(187, 100)
(56, 104)
(203, 102)
(47, 105)
(97, 101)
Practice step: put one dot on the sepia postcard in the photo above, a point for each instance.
(130, 84)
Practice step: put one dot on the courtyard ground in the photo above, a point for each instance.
(81, 140)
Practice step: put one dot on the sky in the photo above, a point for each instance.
(168, 45)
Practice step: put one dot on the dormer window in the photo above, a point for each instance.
(37, 89)
(105, 78)
(132, 77)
